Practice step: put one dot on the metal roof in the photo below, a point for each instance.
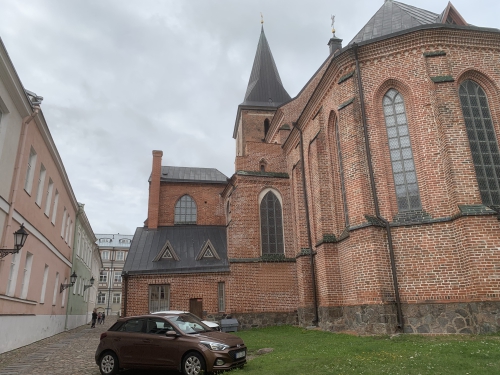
(392, 17)
(191, 174)
(187, 241)
(264, 86)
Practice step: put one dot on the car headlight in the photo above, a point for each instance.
(214, 345)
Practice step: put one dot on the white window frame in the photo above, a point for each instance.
(105, 274)
(102, 299)
(54, 209)
(41, 183)
(63, 223)
(30, 171)
(44, 284)
(48, 201)
(56, 285)
(26, 275)
(120, 255)
(117, 278)
(13, 272)
(117, 298)
(64, 293)
(105, 255)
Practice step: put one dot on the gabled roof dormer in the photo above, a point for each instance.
(208, 251)
(167, 252)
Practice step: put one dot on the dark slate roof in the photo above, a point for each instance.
(264, 86)
(189, 174)
(392, 17)
(187, 241)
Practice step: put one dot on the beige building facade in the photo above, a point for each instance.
(114, 250)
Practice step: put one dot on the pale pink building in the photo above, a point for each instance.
(34, 191)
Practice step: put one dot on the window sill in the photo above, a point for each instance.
(15, 299)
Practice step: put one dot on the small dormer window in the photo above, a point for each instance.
(167, 252)
(208, 251)
(124, 240)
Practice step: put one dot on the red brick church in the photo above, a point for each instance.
(369, 202)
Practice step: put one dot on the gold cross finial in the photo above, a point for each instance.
(333, 23)
(261, 18)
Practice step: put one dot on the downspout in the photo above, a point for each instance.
(308, 225)
(15, 188)
(125, 291)
(374, 193)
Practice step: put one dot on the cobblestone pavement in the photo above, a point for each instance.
(69, 353)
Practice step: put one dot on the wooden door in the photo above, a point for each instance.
(196, 307)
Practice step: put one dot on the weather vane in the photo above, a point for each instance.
(333, 23)
(261, 18)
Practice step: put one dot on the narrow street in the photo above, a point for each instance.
(69, 353)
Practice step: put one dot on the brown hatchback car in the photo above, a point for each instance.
(168, 341)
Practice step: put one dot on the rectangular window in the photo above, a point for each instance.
(70, 234)
(26, 275)
(222, 296)
(41, 182)
(103, 277)
(30, 171)
(54, 210)
(44, 284)
(118, 277)
(48, 201)
(159, 298)
(117, 297)
(101, 298)
(68, 223)
(63, 223)
(119, 255)
(105, 255)
(64, 294)
(56, 287)
(75, 287)
(14, 269)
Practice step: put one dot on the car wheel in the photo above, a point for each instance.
(108, 364)
(193, 364)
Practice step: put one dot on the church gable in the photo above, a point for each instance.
(208, 251)
(167, 252)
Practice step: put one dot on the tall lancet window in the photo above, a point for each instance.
(271, 224)
(482, 141)
(403, 167)
(185, 210)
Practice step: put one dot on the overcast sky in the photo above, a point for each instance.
(122, 78)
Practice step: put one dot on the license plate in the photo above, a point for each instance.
(240, 354)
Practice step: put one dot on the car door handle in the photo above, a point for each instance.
(146, 341)
(117, 339)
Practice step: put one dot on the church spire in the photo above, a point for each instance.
(264, 87)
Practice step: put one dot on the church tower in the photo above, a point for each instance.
(264, 94)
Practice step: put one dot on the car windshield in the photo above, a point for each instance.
(189, 324)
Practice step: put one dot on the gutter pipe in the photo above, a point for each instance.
(308, 225)
(374, 193)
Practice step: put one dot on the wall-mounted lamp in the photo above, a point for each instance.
(72, 280)
(19, 239)
(85, 287)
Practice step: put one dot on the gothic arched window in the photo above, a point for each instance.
(185, 211)
(266, 126)
(271, 224)
(482, 140)
(403, 167)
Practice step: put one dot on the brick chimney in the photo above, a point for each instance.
(154, 190)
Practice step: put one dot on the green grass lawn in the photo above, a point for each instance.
(300, 351)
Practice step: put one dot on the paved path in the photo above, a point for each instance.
(68, 353)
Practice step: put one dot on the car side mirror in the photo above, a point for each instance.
(171, 334)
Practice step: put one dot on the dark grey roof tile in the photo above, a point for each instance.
(191, 174)
(187, 242)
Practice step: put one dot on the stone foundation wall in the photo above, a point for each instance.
(258, 320)
(436, 318)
